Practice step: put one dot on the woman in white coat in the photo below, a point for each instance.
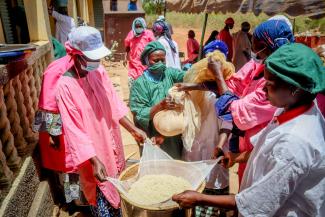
(285, 175)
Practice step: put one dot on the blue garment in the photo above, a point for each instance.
(187, 66)
(152, 76)
(222, 109)
(222, 106)
(274, 33)
(104, 208)
(216, 45)
(132, 6)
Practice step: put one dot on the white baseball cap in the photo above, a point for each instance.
(89, 41)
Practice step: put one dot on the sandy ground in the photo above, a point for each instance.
(118, 75)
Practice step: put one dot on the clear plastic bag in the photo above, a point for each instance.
(156, 161)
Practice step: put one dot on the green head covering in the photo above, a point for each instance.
(151, 47)
(298, 65)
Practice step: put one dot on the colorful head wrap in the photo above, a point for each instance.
(298, 65)
(151, 47)
(229, 20)
(216, 45)
(283, 18)
(274, 33)
(138, 20)
(161, 27)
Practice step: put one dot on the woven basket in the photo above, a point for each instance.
(131, 172)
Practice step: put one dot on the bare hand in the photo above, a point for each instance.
(55, 142)
(169, 104)
(187, 199)
(158, 140)
(50, 9)
(98, 169)
(228, 160)
(215, 67)
(139, 135)
(217, 153)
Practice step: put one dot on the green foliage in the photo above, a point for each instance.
(153, 6)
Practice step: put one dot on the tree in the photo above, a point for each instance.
(153, 6)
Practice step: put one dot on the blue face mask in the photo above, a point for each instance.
(90, 66)
(139, 30)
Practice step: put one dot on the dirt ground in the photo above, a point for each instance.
(118, 74)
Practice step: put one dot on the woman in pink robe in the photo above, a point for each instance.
(77, 88)
(134, 44)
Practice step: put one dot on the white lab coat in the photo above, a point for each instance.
(285, 174)
(172, 59)
(64, 25)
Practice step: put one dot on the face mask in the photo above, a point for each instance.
(255, 58)
(157, 68)
(138, 31)
(90, 66)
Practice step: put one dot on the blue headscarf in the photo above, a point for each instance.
(161, 27)
(216, 45)
(274, 33)
(141, 21)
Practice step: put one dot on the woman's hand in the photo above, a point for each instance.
(158, 140)
(228, 160)
(217, 153)
(169, 104)
(165, 104)
(139, 135)
(187, 199)
(99, 169)
(215, 66)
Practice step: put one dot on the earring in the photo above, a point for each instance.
(294, 92)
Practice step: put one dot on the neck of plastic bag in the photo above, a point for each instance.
(155, 161)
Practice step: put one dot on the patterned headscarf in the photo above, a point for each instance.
(161, 28)
(216, 45)
(274, 33)
(138, 20)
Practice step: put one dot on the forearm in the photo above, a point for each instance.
(242, 157)
(220, 201)
(127, 124)
(223, 137)
(222, 86)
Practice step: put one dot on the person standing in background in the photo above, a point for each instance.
(64, 24)
(132, 6)
(242, 46)
(162, 34)
(193, 48)
(134, 44)
(226, 37)
(162, 18)
(213, 36)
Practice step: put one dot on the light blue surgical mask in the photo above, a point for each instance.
(90, 65)
(139, 30)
